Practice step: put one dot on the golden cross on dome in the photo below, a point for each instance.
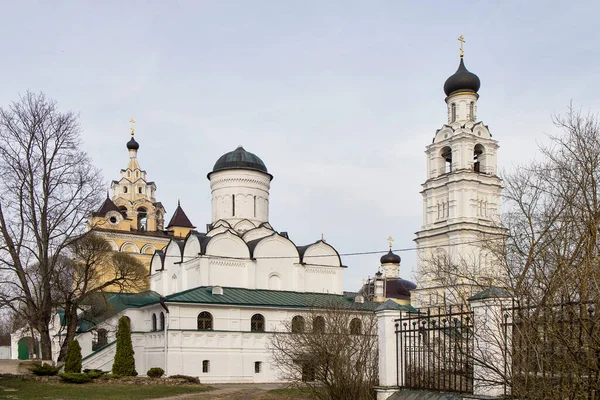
(390, 240)
(462, 40)
(132, 126)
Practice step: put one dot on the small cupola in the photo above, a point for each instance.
(132, 144)
(390, 258)
(390, 262)
(462, 81)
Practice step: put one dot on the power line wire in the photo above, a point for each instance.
(361, 253)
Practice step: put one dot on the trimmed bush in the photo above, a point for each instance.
(124, 363)
(107, 377)
(44, 370)
(73, 360)
(94, 373)
(87, 371)
(155, 372)
(75, 377)
(190, 379)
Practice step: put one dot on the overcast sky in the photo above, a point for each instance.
(338, 98)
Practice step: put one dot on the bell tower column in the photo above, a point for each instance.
(461, 196)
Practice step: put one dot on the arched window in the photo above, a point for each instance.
(355, 326)
(124, 189)
(257, 323)
(453, 107)
(140, 190)
(477, 158)
(129, 322)
(319, 324)
(472, 111)
(162, 321)
(298, 324)
(142, 219)
(102, 337)
(233, 205)
(447, 157)
(154, 322)
(205, 321)
(308, 372)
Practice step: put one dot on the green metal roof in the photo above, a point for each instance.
(490, 293)
(267, 298)
(105, 305)
(392, 305)
(240, 159)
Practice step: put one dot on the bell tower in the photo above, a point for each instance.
(134, 195)
(461, 199)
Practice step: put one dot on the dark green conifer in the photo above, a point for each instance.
(124, 363)
(73, 360)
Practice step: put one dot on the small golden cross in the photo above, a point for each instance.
(462, 40)
(132, 126)
(390, 240)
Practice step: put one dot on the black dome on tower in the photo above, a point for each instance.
(390, 258)
(240, 159)
(133, 145)
(462, 80)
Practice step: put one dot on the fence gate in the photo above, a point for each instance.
(434, 350)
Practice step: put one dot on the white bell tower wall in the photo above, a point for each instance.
(461, 201)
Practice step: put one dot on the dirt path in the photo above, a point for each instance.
(229, 392)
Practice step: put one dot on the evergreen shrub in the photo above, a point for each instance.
(94, 373)
(44, 370)
(190, 379)
(73, 360)
(155, 372)
(75, 377)
(124, 363)
(107, 377)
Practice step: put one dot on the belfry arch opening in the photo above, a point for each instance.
(446, 165)
(478, 158)
(142, 219)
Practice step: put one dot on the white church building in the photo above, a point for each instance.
(216, 297)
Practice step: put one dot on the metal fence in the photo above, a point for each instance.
(555, 350)
(434, 350)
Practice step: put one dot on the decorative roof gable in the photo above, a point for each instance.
(179, 219)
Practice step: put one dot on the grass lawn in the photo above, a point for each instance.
(26, 390)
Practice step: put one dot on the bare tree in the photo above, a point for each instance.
(91, 268)
(47, 189)
(332, 351)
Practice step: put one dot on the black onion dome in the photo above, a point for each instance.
(133, 145)
(390, 258)
(240, 159)
(398, 288)
(462, 80)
